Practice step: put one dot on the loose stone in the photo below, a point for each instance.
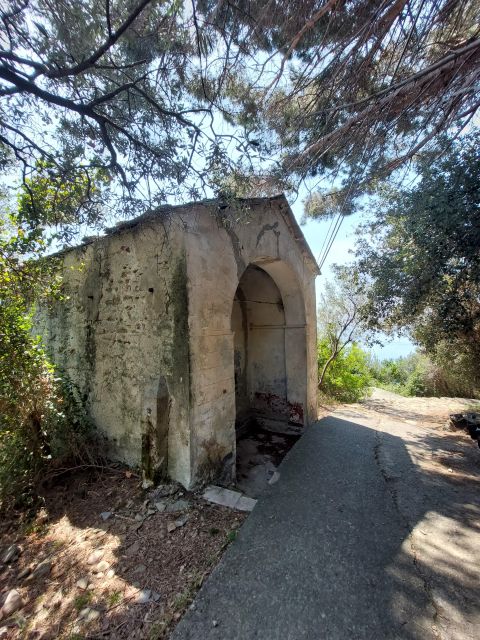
(95, 556)
(11, 554)
(13, 602)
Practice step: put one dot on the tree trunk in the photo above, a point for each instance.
(325, 368)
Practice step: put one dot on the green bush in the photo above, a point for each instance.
(42, 423)
(348, 378)
(449, 373)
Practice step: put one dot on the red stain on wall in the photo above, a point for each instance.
(272, 403)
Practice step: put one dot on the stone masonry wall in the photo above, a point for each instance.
(122, 337)
(146, 330)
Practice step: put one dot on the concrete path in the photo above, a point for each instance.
(361, 538)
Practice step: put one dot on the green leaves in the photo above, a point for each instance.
(61, 200)
(423, 268)
(41, 419)
(348, 377)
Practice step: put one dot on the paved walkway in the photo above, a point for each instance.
(359, 539)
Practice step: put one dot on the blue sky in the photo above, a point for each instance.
(315, 232)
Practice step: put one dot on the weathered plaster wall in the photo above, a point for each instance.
(219, 249)
(146, 332)
(122, 337)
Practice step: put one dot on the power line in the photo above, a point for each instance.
(330, 240)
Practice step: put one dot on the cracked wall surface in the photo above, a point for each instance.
(145, 329)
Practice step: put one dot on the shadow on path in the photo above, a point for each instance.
(329, 551)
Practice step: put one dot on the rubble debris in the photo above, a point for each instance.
(469, 421)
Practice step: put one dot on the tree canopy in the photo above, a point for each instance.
(354, 89)
(419, 257)
(169, 98)
(111, 86)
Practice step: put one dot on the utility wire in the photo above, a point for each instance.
(336, 229)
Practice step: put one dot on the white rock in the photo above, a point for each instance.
(143, 596)
(13, 602)
(95, 556)
(89, 615)
(82, 583)
(101, 566)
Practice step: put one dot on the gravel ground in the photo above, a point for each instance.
(105, 559)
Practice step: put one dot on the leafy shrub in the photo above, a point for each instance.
(42, 424)
(348, 377)
(394, 374)
(449, 373)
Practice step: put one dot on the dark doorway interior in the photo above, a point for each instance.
(264, 434)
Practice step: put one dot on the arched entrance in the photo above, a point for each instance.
(258, 323)
(270, 369)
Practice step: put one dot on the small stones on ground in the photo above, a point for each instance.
(162, 491)
(143, 596)
(95, 556)
(13, 602)
(110, 574)
(156, 596)
(82, 583)
(160, 506)
(139, 517)
(42, 569)
(103, 565)
(105, 515)
(178, 505)
(89, 615)
(215, 623)
(179, 522)
(11, 554)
